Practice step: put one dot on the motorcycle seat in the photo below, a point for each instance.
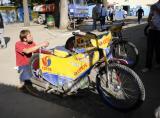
(61, 51)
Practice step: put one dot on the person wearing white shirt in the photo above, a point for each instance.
(119, 14)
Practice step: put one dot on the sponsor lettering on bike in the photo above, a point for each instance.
(103, 41)
(46, 63)
(81, 69)
(84, 58)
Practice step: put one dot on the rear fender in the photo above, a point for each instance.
(119, 61)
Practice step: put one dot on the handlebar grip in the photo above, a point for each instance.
(76, 32)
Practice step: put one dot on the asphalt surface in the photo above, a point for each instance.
(17, 104)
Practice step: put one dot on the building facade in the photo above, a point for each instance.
(131, 6)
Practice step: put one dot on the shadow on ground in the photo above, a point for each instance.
(85, 105)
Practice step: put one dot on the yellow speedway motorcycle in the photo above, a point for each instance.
(65, 71)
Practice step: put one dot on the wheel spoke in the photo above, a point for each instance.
(104, 90)
(128, 96)
(103, 79)
(130, 90)
(103, 83)
(126, 80)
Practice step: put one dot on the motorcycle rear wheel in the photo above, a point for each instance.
(34, 66)
(126, 92)
(34, 89)
(126, 50)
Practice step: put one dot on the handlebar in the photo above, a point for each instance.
(78, 33)
(114, 28)
(44, 50)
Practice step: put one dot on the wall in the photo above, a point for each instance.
(134, 5)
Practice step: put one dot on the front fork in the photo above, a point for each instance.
(109, 75)
(106, 68)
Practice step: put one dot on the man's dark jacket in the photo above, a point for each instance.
(1, 21)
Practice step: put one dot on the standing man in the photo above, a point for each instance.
(153, 40)
(95, 15)
(103, 15)
(2, 40)
(140, 13)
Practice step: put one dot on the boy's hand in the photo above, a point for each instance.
(44, 44)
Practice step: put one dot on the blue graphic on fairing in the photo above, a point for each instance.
(109, 53)
(53, 79)
(48, 62)
(56, 79)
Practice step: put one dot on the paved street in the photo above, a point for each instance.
(15, 104)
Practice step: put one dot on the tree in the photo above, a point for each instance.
(26, 13)
(63, 14)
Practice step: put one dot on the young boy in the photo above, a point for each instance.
(24, 49)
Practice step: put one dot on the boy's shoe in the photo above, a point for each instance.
(22, 88)
(27, 82)
(24, 84)
(144, 70)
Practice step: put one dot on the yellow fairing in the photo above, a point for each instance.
(60, 51)
(71, 67)
(102, 42)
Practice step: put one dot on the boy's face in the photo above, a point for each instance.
(29, 38)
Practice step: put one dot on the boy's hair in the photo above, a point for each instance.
(23, 34)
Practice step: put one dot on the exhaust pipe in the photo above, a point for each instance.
(43, 84)
(46, 85)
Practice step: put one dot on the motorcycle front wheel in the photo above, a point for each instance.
(121, 87)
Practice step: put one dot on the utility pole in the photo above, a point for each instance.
(26, 13)
(63, 14)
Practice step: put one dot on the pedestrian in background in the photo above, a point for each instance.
(119, 14)
(153, 39)
(103, 15)
(96, 15)
(107, 14)
(2, 40)
(125, 14)
(140, 13)
(111, 13)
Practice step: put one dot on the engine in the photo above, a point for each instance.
(73, 86)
